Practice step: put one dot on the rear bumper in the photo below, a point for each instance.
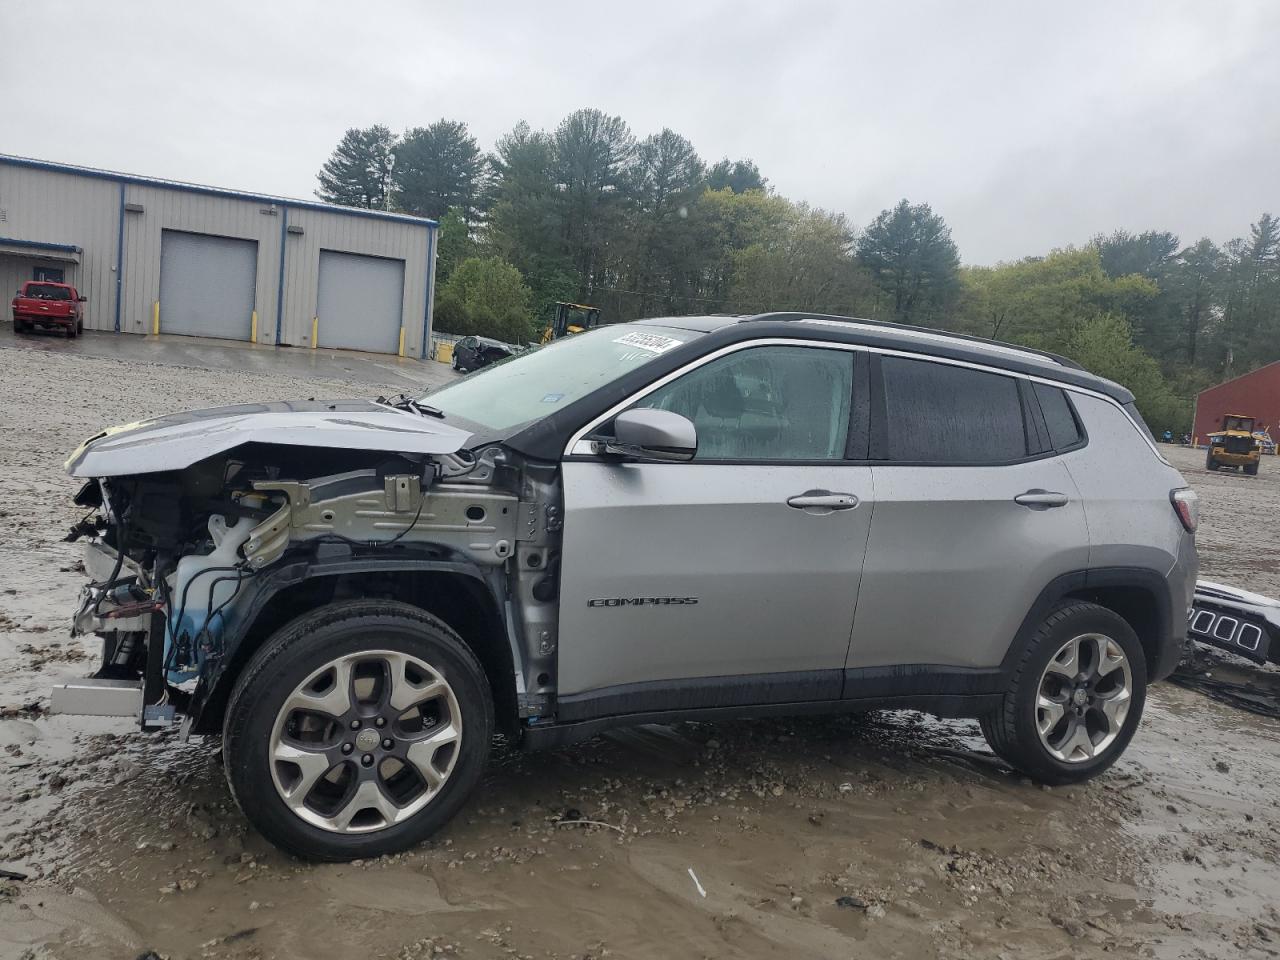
(44, 320)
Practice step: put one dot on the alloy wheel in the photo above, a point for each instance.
(365, 742)
(1083, 698)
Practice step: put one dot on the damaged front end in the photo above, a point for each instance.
(202, 522)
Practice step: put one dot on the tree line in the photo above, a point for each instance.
(590, 213)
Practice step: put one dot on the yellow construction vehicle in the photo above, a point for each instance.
(1234, 445)
(571, 318)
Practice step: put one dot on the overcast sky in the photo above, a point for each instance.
(1026, 125)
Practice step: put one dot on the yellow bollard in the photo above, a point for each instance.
(315, 331)
(401, 353)
(253, 327)
(155, 319)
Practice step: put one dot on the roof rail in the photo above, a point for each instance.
(890, 325)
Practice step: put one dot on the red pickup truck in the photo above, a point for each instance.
(44, 304)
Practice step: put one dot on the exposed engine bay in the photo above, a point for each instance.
(187, 563)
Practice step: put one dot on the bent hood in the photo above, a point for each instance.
(177, 440)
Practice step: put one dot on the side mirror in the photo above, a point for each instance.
(83, 299)
(651, 435)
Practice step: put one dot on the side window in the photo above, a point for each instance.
(766, 403)
(1064, 430)
(937, 413)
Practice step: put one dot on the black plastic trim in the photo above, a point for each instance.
(860, 415)
(1038, 440)
(701, 693)
(923, 680)
(1078, 582)
(215, 678)
(551, 735)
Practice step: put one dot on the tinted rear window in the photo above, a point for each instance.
(1064, 430)
(936, 413)
(47, 291)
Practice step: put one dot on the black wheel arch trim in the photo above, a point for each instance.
(1077, 584)
(217, 678)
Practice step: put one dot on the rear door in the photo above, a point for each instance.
(720, 581)
(975, 515)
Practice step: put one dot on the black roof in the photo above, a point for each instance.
(897, 336)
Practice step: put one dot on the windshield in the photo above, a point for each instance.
(47, 291)
(534, 385)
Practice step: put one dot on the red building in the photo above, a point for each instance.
(1254, 395)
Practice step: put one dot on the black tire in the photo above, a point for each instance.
(1251, 469)
(306, 644)
(1209, 462)
(1011, 729)
(72, 332)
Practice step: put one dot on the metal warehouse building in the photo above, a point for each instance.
(1255, 394)
(156, 256)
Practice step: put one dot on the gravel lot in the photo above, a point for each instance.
(891, 835)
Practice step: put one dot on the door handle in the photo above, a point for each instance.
(822, 501)
(1041, 499)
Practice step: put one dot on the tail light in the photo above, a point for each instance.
(1186, 504)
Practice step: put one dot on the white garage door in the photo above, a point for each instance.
(361, 302)
(207, 285)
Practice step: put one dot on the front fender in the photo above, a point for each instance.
(250, 619)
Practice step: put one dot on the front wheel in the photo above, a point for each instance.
(357, 730)
(1209, 462)
(1076, 698)
(1251, 469)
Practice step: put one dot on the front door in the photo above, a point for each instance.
(729, 579)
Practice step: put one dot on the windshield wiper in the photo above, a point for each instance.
(406, 402)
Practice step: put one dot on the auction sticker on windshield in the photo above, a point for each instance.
(649, 341)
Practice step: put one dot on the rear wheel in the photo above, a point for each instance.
(1076, 698)
(1251, 469)
(358, 729)
(72, 331)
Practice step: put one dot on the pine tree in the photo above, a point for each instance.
(437, 168)
(910, 253)
(358, 174)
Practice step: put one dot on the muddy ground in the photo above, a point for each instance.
(890, 835)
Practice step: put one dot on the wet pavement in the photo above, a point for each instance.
(887, 835)
(404, 373)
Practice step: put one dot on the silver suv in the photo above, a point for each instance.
(679, 518)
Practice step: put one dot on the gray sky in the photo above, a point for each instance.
(1026, 125)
